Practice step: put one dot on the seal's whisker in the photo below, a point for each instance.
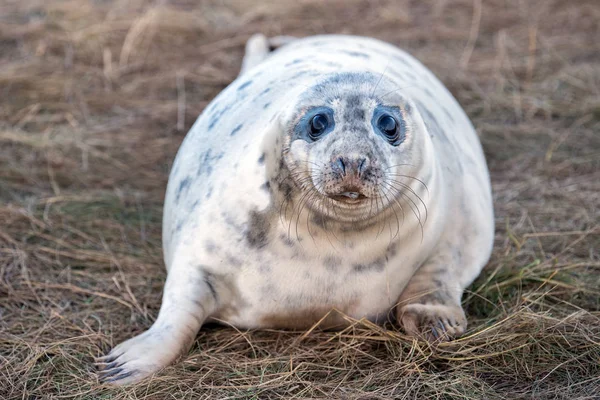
(308, 214)
(403, 193)
(393, 192)
(302, 203)
(397, 89)
(410, 177)
(334, 208)
(397, 220)
(381, 77)
(379, 212)
(417, 213)
(398, 165)
(405, 186)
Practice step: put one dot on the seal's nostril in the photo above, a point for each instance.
(341, 165)
(361, 165)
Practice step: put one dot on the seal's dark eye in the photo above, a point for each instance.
(387, 124)
(315, 124)
(318, 125)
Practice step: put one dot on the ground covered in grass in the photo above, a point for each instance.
(95, 98)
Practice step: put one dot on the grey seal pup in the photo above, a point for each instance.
(335, 179)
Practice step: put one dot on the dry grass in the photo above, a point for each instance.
(96, 97)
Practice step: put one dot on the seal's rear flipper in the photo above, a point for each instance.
(258, 48)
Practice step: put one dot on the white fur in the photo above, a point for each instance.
(203, 236)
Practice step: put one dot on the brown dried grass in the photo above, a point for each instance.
(95, 99)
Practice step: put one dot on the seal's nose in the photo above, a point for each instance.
(350, 165)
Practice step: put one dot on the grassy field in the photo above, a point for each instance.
(95, 98)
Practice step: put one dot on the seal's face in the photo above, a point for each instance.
(349, 145)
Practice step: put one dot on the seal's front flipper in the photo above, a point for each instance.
(189, 298)
(429, 306)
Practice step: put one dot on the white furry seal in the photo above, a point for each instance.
(336, 176)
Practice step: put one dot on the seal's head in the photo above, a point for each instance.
(348, 144)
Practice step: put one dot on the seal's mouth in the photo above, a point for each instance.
(349, 195)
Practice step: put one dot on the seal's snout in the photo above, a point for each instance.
(350, 166)
(346, 178)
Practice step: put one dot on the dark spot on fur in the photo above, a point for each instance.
(285, 189)
(265, 186)
(194, 205)
(179, 226)
(319, 221)
(266, 105)
(354, 114)
(212, 107)
(391, 252)
(232, 222)
(359, 267)
(296, 61)
(331, 263)
(377, 266)
(183, 185)
(264, 268)
(261, 159)
(207, 161)
(355, 54)
(244, 85)
(236, 129)
(257, 232)
(234, 261)
(268, 289)
(210, 246)
(217, 116)
(297, 75)
(286, 240)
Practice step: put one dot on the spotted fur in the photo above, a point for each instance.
(256, 235)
